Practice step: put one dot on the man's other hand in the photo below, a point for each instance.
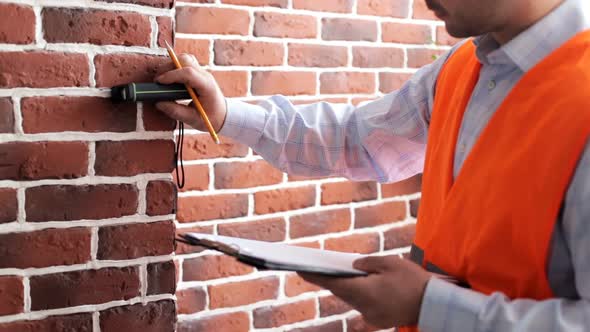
(391, 295)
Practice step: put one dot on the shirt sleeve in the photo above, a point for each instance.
(447, 307)
(383, 140)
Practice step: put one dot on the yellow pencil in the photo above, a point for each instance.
(193, 95)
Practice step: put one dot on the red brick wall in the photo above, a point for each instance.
(336, 50)
(86, 197)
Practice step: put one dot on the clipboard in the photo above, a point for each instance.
(278, 256)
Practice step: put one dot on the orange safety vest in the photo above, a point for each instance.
(491, 226)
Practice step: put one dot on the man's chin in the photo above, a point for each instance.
(458, 32)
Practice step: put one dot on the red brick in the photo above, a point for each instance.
(183, 248)
(389, 82)
(295, 285)
(192, 300)
(78, 322)
(160, 198)
(270, 230)
(43, 69)
(154, 120)
(197, 177)
(152, 317)
(419, 57)
(399, 237)
(213, 267)
(283, 82)
(197, 47)
(346, 192)
(323, 222)
(331, 305)
(152, 3)
(233, 83)
(6, 115)
(198, 208)
(12, 295)
(127, 158)
(312, 244)
(8, 205)
(443, 37)
(273, 3)
(44, 248)
(309, 55)
(358, 101)
(405, 187)
(358, 324)
(375, 57)
(357, 243)
(219, 20)
(277, 200)
(165, 31)
(43, 160)
(248, 53)
(116, 69)
(279, 315)
(338, 6)
(67, 289)
(101, 27)
(349, 29)
(294, 178)
(269, 24)
(334, 326)
(135, 240)
(421, 11)
(347, 82)
(230, 322)
(414, 205)
(202, 147)
(20, 16)
(406, 33)
(393, 8)
(243, 292)
(246, 174)
(88, 114)
(161, 278)
(63, 202)
(380, 214)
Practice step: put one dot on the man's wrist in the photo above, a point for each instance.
(243, 122)
(445, 306)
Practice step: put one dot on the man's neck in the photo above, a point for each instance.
(525, 16)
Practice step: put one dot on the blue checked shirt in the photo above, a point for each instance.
(385, 141)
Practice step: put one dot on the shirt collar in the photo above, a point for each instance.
(538, 41)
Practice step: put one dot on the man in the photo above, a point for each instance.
(506, 192)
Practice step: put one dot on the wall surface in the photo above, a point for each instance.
(335, 50)
(86, 197)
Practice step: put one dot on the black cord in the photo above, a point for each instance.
(178, 154)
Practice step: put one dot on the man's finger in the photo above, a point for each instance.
(165, 67)
(335, 284)
(187, 75)
(188, 60)
(376, 264)
(176, 111)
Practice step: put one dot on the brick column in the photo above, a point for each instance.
(86, 196)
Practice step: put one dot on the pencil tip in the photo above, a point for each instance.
(167, 45)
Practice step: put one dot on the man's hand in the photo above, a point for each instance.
(391, 295)
(205, 87)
